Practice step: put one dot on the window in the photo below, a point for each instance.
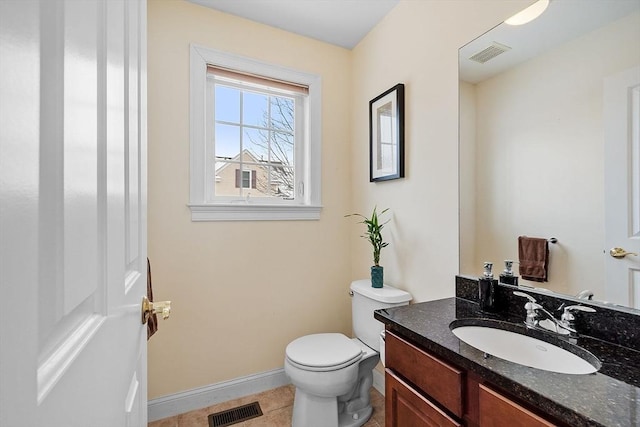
(255, 139)
(244, 179)
(257, 125)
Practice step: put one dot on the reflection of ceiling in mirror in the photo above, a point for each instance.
(562, 21)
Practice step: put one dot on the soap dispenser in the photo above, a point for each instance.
(487, 288)
(507, 277)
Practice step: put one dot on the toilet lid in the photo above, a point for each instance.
(323, 350)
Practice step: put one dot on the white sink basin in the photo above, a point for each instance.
(525, 350)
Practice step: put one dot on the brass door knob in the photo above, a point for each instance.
(620, 253)
(160, 307)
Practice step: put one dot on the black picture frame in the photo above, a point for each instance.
(386, 135)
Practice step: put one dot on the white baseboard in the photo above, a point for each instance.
(179, 403)
(378, 381)
(190, 400)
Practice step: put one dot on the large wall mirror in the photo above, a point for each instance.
(533, 129)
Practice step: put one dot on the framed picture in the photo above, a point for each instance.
(386, 135)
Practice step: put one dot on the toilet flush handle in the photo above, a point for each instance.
(350, 293)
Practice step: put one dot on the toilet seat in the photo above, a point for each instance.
(323, 352)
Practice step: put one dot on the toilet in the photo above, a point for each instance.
(332, 373)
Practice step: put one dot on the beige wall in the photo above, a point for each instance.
(540, 169)
(242, 290)
(417, 44)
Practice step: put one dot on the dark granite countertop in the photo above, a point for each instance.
(609, 397)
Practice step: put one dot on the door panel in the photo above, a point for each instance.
(132, 142)
(70, 283)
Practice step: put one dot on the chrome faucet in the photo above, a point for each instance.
(532, 316)
(568, 319)
(535, 311)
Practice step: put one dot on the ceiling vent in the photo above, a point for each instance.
(489, 53)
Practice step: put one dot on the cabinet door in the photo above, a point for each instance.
(441, 381)
(406, 407)
(499, 411)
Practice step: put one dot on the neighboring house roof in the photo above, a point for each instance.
(220, 166)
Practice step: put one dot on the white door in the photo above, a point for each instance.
(72, 213)
(622, 187)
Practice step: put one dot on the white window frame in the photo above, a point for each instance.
(308, 186)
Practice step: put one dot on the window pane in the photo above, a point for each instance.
(256, 142)
(282, 182)
(254, 109)
(282, 148)
(227, 141)
(227, 104)
(282, 116)
(225, 181)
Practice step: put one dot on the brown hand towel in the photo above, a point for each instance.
(152, 323)
(534, 258)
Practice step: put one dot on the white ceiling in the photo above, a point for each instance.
(340, 22)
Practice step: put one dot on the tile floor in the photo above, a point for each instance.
(276, 404)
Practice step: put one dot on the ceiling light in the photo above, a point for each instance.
(528, 14)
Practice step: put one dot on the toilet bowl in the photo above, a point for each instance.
(332, 373)
(327, 370)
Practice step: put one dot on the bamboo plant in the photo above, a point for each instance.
(374, 232)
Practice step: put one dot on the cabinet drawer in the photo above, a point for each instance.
(498, 411)
(441, 381)
(406, 407)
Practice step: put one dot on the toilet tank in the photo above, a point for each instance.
(364, 301)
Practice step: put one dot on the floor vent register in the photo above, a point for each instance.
(235, 415)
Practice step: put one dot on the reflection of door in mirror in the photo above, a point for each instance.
(622, 186)
(531, 155)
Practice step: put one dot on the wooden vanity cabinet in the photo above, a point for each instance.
(422, 390)
(498, 411)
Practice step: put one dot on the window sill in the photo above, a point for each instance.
(244, 212)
